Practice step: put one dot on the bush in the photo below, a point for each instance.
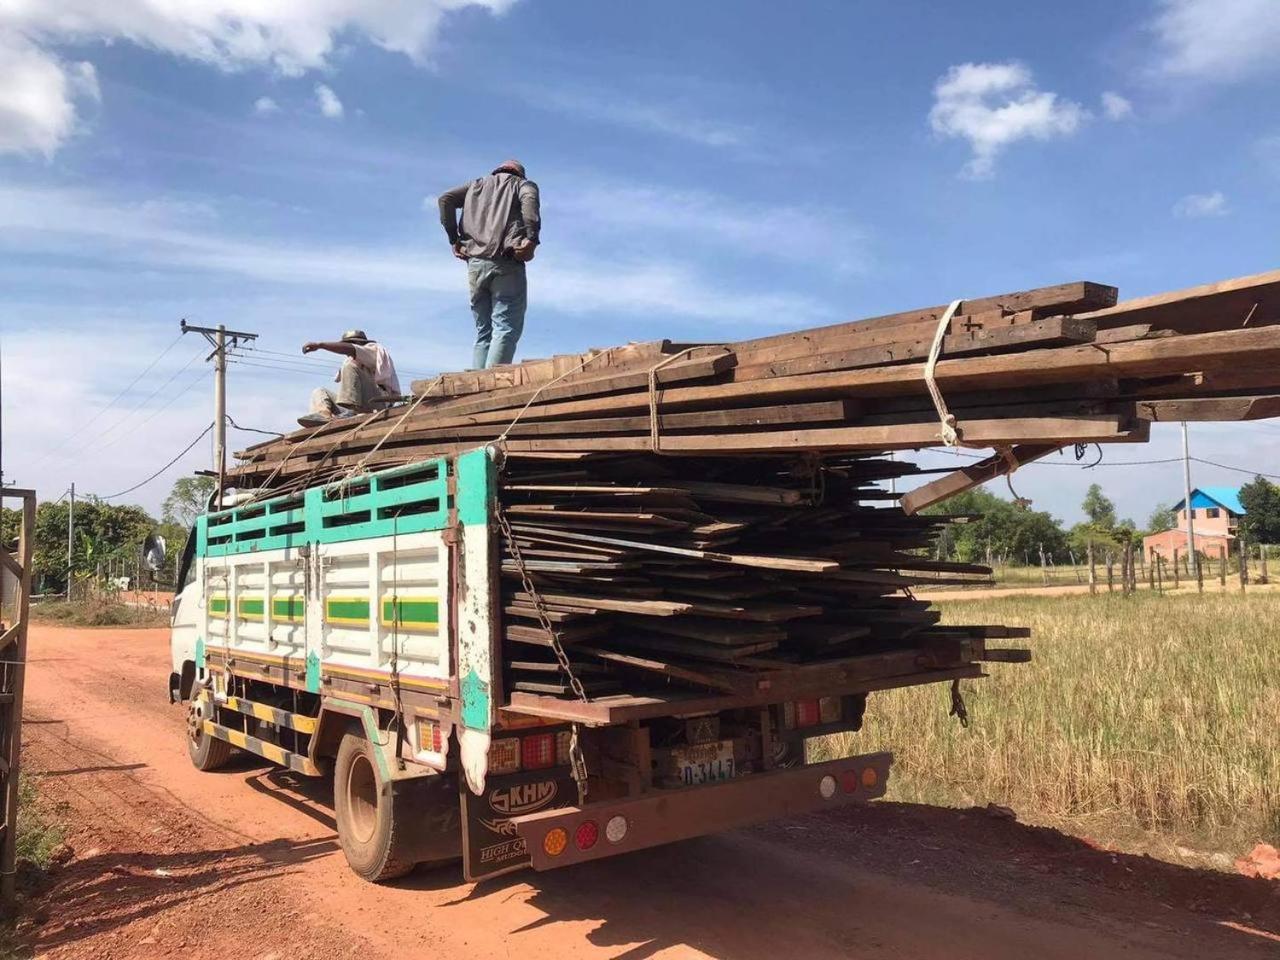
(99, 613)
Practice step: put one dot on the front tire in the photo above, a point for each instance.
(206, 752)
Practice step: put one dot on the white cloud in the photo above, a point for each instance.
(1197, 205)
(37, 97)
(994, 105)
(329, 103)
(265, 106)
(174, 237)
(664, 118)
(1217, 40)
(1116, 107)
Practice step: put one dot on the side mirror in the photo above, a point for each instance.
(153, 552)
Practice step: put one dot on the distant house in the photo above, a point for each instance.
(1215, 515)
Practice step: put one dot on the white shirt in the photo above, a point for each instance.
(374, 357)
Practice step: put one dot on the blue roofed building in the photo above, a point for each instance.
(1215, 516)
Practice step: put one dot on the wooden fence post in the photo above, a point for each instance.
(1222, 565)
(1150, 564)
(1044, 569)
(1262, 570)
(1199, 574)
(1158, 561)
(1111, 564)
(1093, 571)
(1177, 577)
(1244, 564)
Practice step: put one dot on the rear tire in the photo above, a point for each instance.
(368, 828)
(206, 752)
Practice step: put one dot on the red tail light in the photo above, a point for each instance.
(587, 835)
(808, 713)
(849, 781)
(538, 751)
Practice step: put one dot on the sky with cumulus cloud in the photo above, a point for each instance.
(709, 171)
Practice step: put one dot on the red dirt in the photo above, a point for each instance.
(170, 862)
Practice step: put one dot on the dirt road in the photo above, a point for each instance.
(170, 862)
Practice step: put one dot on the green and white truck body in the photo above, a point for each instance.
(353, 630)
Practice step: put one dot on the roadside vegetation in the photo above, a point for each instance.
(40, 848)
(1155, 719)
(99, 612)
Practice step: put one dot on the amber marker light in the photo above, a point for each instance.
(555, 841)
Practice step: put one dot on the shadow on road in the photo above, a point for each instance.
(826, 872)
(108, 891)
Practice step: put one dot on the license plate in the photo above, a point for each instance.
(704, 763)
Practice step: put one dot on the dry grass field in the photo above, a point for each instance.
(1149, 720)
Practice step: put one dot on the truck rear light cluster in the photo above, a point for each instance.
(850, 780)
(798, 714)
(430, 736)
(585, 836)
(538, 751)
(533, 751)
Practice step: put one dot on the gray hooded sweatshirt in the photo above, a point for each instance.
(497, 210)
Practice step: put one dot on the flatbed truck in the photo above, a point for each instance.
(353, 631)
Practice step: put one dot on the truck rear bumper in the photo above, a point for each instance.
(568, 835)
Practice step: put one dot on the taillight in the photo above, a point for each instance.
(849, 781)
(555, 841)
(538, 751)
(808, 713)
(870, 777)
(430, 736)
(615, 831)
(587, 835)
(564, 740)
(504, 756)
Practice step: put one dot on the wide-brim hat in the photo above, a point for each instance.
(355, 336)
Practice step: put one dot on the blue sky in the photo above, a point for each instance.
(709, 171)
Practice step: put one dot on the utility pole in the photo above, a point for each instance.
(217, 337)
(1192, 558)
(71, 536)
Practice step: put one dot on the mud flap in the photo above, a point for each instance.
(476, 592)
(490, 844)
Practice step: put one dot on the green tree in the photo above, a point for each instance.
(1163, 517)
(1098, 508)
(187, 500)
(1261, 501)
(995, 527)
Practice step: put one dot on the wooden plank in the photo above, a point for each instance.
(1053, 331)
(972, 476)
(1217, 409)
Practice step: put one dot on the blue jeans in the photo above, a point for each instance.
(499, 295)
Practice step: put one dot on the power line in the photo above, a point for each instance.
(185, 451)
(1108, 463)
(114, 400)
(142, 406)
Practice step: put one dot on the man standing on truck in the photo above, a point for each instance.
(365, 377)
(497, 237)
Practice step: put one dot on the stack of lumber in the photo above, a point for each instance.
(700, 514)
(1040, 368)
(706, 571)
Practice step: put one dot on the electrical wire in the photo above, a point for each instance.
(114, 400)
(265, 433)
(151, 396)
(185, 451)
(1111, 463)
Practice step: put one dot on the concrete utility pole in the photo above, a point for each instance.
(1192, 558)
(217, 337)
(71, 536)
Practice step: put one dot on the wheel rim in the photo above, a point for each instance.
(195, 723)
(362, 799)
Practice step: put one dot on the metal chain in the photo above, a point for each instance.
(539, 607)
(577, 761)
